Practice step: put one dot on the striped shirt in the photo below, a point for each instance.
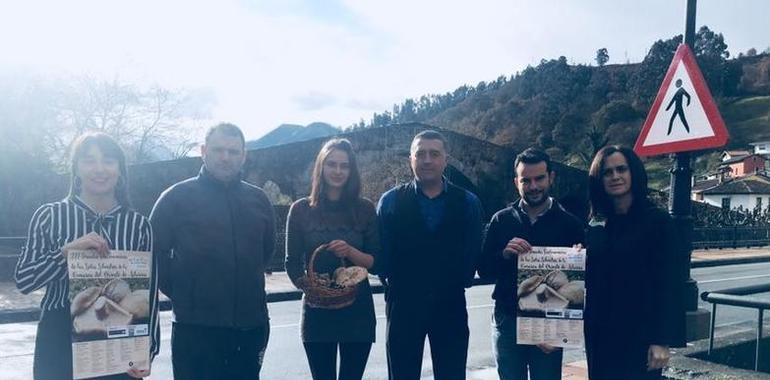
(55, 224)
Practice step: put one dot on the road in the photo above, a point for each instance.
(286, 314)
(731, 276)
(285, 358)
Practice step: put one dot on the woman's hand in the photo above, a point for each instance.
(138, 373)
(578, 246)
(301, 283)
(87, 242)
(657, 357)
(341, 248)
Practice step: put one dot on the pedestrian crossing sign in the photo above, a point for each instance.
(684, 116)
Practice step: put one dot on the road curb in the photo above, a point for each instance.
(706, 263)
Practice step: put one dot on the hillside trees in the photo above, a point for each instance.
(574, 110)
(602, 56)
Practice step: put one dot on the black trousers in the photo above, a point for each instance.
(607, 363)
(53, 347)
(322, 358)
(443, 320)
(212, 353)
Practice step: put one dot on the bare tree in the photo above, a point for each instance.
(151, 124)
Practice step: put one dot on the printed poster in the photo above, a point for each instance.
(551, 297)
(110, 308)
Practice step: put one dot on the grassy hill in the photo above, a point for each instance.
(574, 110)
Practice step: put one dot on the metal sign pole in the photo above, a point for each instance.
(679, 203)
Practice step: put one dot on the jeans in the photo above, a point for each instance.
(513, 359)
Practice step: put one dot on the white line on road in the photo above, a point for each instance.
(734, 278)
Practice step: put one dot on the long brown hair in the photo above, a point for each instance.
(352, 189)
(109, 148)
(601, 204)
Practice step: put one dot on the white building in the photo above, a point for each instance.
(746, 192)
(761, 147)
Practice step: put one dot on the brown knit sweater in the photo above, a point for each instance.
(307, 228)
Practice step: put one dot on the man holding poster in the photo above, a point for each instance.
(536, 220)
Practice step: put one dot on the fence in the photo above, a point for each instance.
(730, 237)
(739, 297)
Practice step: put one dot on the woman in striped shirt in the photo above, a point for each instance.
(96, 215)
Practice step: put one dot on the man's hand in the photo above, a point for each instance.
(546, 348)
(657, 357)
(137, 373)
(87, 242)
(517, 246)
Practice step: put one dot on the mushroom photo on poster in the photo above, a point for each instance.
(541, 291)
(99, 305)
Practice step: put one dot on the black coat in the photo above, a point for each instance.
(634, 292)
(213, 242)
(556, 228)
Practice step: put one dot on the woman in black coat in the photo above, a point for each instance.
(635, 275)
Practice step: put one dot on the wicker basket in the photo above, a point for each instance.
(320, 295)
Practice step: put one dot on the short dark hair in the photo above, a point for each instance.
(601, 204)
(430, 134)
(532, 156)
(227, 129)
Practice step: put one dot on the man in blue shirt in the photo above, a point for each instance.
(431, 236)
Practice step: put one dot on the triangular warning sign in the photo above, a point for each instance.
(684, 116)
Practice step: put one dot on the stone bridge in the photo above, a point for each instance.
(284, 171)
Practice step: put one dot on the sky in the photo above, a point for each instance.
(338, 61)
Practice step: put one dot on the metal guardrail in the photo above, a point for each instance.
(739, 297)
(730, 237)
(11, 246)
(12, 241)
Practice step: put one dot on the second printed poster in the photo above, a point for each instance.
(551, 297)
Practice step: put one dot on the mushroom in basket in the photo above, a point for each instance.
(349, 276)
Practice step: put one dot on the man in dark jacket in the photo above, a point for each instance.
(214, 236)
(431, 235)
(535, 220)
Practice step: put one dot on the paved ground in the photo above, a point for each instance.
(17, 339)
(717, 254)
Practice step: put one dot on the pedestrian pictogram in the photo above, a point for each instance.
(690, 119)
(678, 110)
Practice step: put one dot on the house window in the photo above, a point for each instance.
(726, 203)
